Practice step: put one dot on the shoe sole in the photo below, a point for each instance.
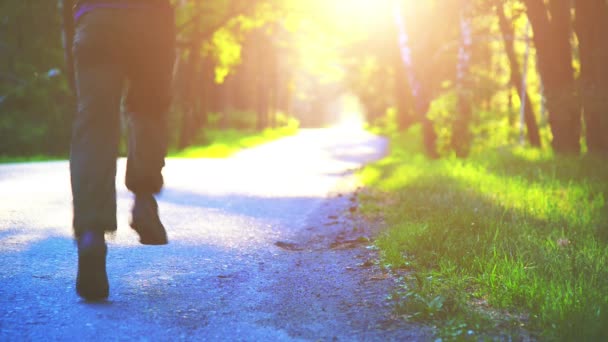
(150, 241)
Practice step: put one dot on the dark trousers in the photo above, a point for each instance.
(119, 52)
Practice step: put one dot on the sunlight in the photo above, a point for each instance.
(331, 38)
(362, 7)
(350, 113)
(358, 12)
(351, 121)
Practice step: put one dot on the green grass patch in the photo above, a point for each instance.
(213, 143)
(504, 239)
(30, 159)
(224, 143)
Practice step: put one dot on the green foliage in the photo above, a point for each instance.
(35, 101)
(227, 51)
(372, 81)
(290, 55)
(224, 143)
(518, 234)
(30, 159)
(37, 107)
(221, 27)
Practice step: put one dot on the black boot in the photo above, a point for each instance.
(146, 223)
(92, 280)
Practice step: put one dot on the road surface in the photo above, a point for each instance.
(263, 247)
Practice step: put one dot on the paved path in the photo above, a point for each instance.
(260, 250)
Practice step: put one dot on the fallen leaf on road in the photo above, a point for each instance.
(380, 277)
(288, 246)
(347, 244)
(367, 263)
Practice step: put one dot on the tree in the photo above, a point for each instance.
(461, 131)
(204, 34)
(552, 27)
(592, 31)
(508, 34)
(36, 105)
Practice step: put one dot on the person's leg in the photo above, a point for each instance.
(96, 129)
(94, 150)
(150, 73)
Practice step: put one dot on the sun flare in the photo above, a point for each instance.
(359, 10)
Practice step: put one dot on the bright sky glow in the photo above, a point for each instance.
(361, 8)
(358, 15)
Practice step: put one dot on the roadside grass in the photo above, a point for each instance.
(30, 159)
(224, 143)
(508, 240)
(214, 144)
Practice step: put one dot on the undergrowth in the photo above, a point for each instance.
(30, 159)
(213, 143)
(224, 143)
(512, 240)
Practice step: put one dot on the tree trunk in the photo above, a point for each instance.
(592, 31)
(264, 80)
(227, 98)
(552, 33)
(419, 90)
(429, 136)
(404, 115)
(508, 34)
(188, 129)
(207, 81)
(262, 103)
(460, 141)
(273, 83)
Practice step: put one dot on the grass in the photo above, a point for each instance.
(502, 240)
(216, 144)
(30, 159)
(224, 143)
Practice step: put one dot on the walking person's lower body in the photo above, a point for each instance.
(117, 50)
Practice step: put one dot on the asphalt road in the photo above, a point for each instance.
(263, 247)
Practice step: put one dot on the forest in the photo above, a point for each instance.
(494, 73)
(493, 192)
